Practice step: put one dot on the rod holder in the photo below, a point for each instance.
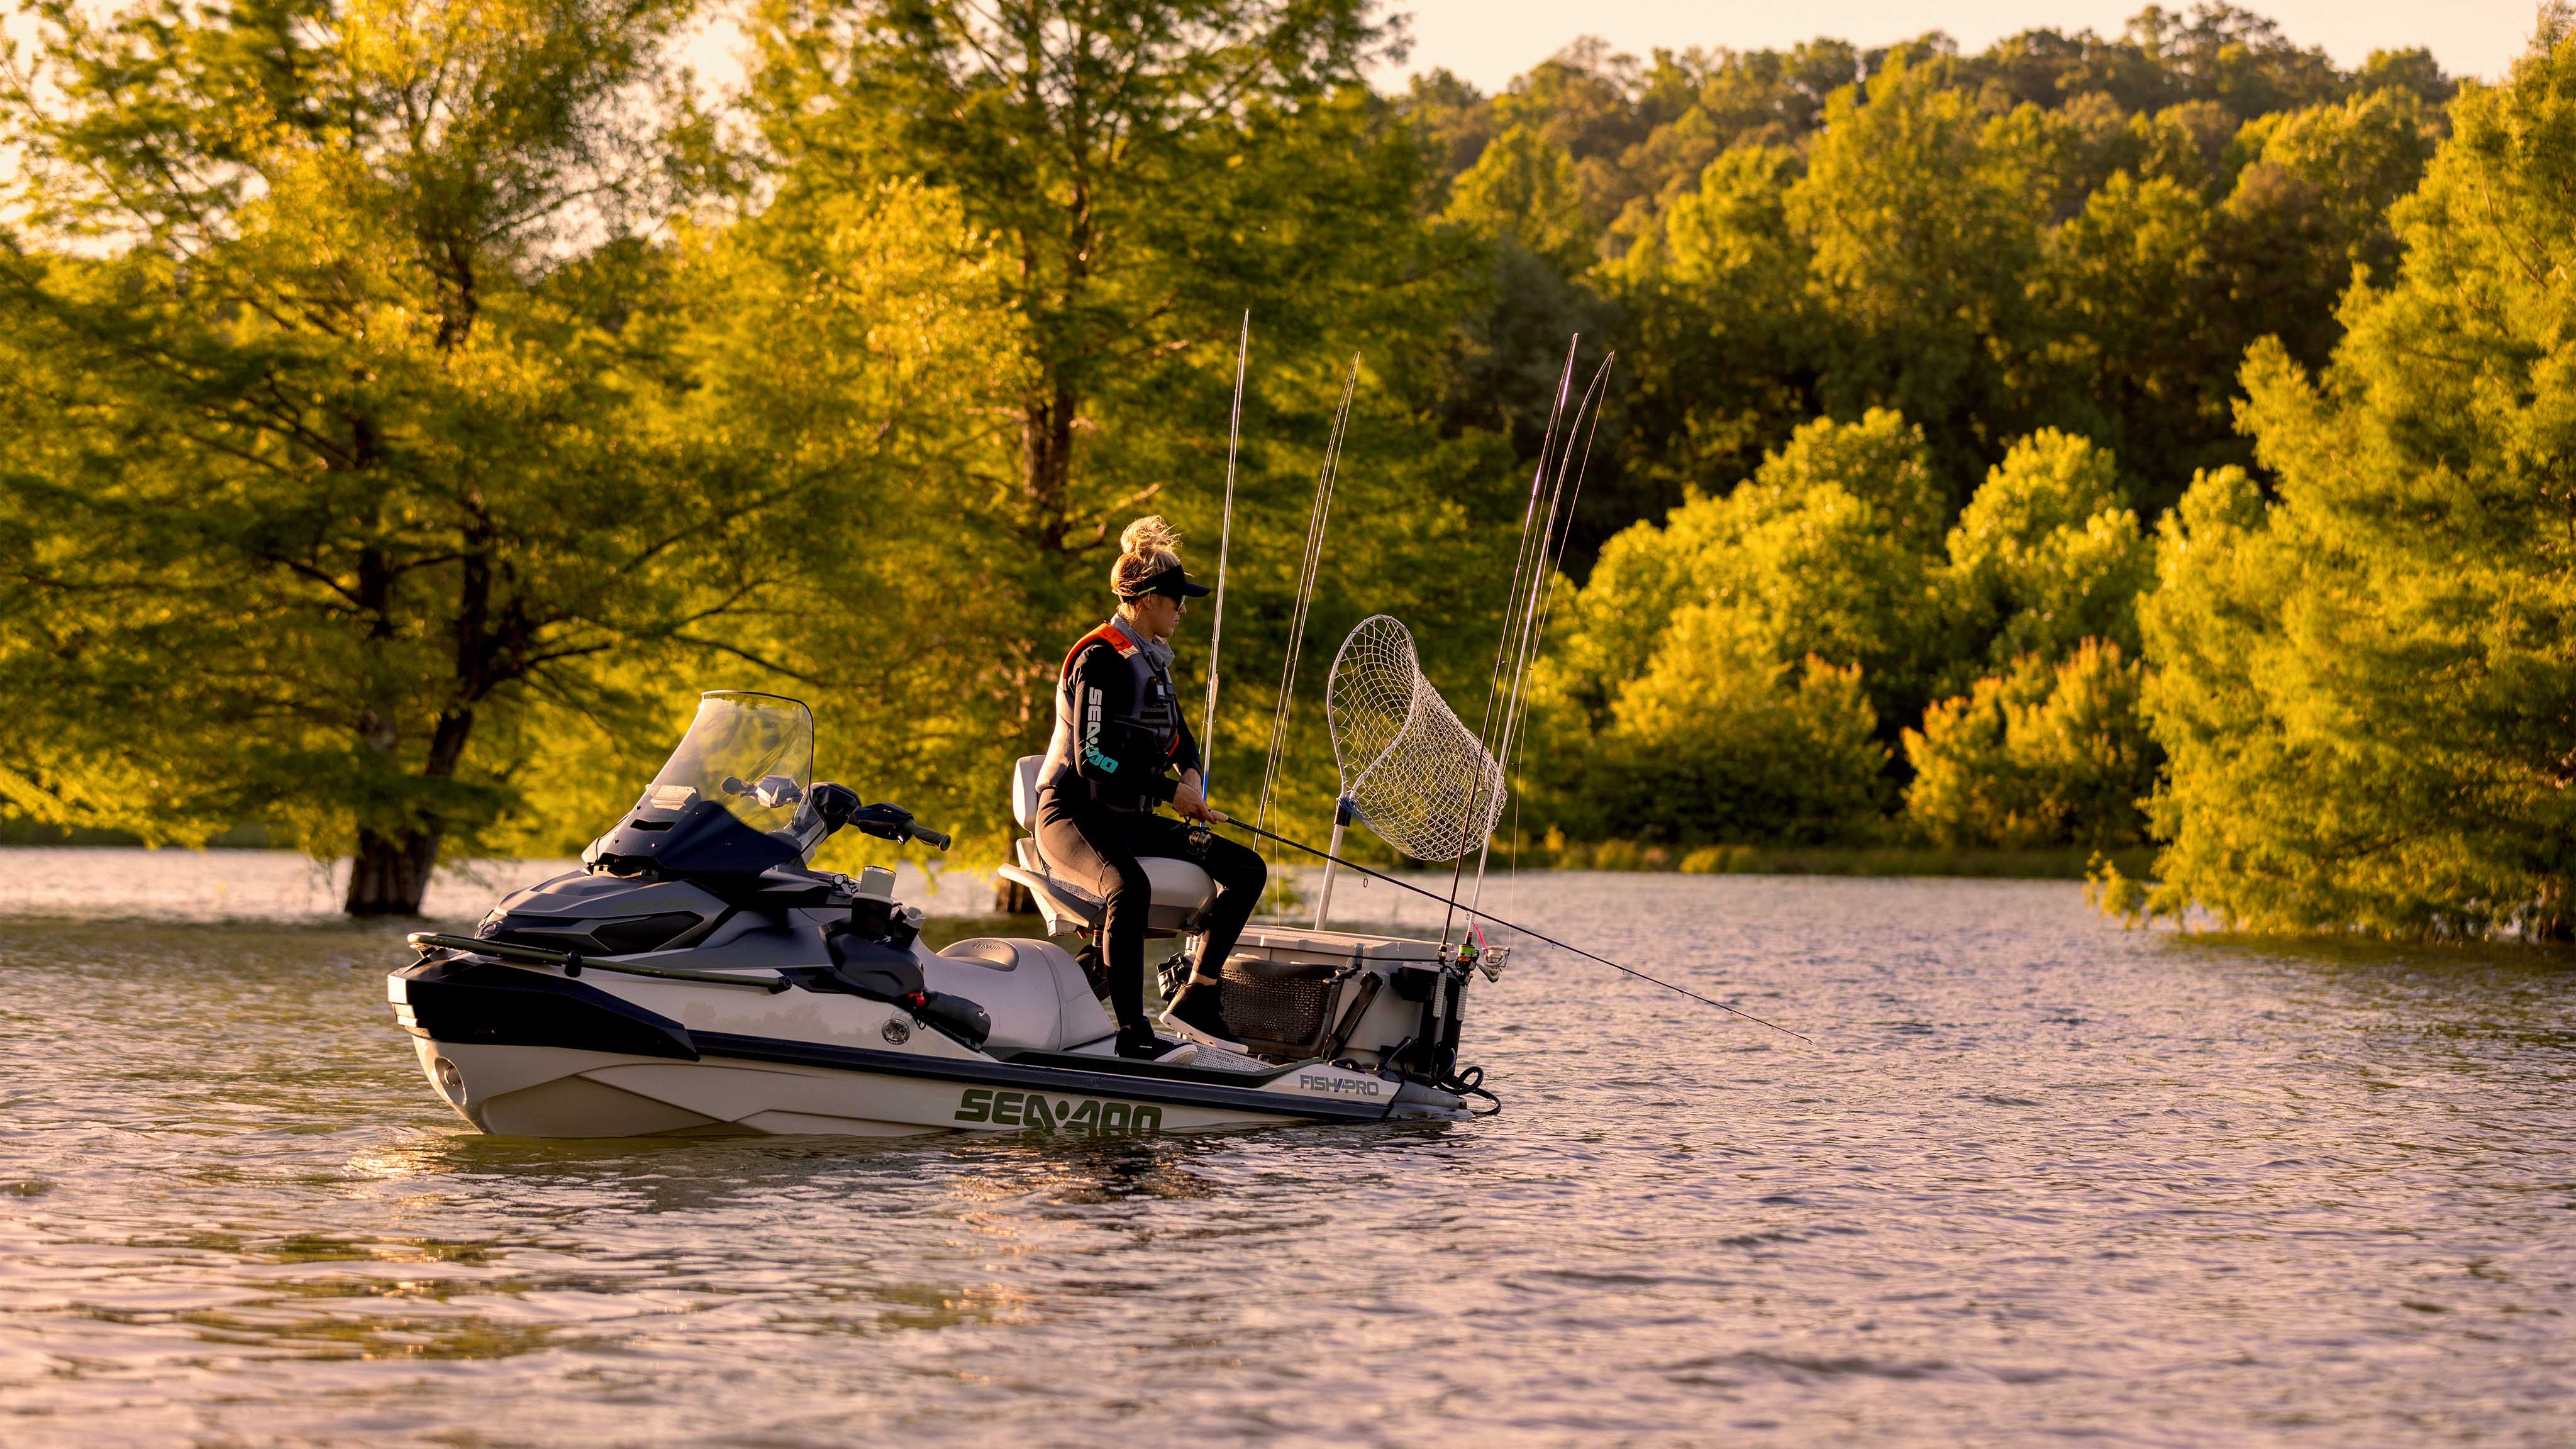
(1324, 898)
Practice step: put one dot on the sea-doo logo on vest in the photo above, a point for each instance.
(1337, 1085)
(1037, 1112)
(1091, 751)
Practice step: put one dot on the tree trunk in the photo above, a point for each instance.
(1046, 464)
(389, 875)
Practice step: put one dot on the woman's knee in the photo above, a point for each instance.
(1131, 880)
(1238, 868)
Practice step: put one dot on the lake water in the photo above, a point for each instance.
(2040, 1178)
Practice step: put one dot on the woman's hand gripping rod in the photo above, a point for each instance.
(1219, 817)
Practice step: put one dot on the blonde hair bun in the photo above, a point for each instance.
(1150, 534)
(1147, 547)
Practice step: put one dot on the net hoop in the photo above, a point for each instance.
(1420, 778)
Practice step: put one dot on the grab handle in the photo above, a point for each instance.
(573, 963)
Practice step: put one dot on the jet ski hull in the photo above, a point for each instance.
(521, 1051)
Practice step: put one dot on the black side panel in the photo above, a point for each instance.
(629, 935)
(862, 967)
(486, 1004)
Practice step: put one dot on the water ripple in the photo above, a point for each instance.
(2040, 1178)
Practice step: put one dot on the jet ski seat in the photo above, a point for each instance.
(1182, 891)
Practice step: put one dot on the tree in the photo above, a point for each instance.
(2141, 349)
(1809, 589)
(1526, 191)
(2309, 207)
(1826, 550)
(1142, 174)
(2045, 558)
(2364, 685)
(1724, 357)
(335, 487)
(1149, 168)
(2044, 754)
(1720, 742)
(1925, 217)
(852, 348)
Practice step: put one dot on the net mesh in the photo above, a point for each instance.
(1420, 778)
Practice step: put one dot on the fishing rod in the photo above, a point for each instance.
(1318, 516)
(1542, 593)
(1224, 545)
(1222, 819)
(1512, 605)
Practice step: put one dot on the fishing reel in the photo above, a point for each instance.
(1473, 953)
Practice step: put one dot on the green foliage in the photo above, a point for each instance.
(2047, 557)
(1717, 741)
(2361, 685)
(1526, 191)
(1826, 550)
(1719, 322)
(307, 387)
(1924, 217)
(404, 410)
(848, 335)
(2043, 755)
(1172, 166)
(2065, 231)
(1150, 168)
(1830, 555)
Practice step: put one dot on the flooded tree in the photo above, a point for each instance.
(2363, 679)
(338, 473)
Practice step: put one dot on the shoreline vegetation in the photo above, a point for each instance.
(1963, 862)
(2151, 445)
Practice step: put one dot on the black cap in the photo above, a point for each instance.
(1173, 581)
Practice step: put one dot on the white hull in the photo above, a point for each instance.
(523, 1091)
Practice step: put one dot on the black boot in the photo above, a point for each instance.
(1201, 1007)
(1138, 1043)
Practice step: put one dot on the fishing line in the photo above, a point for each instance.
(1523, 930)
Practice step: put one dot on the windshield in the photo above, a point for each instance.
(751, 754)
(727, 801)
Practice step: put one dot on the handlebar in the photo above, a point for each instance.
(839, 806)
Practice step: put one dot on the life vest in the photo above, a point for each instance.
(1135, 725)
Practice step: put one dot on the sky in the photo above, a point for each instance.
(1487, 42)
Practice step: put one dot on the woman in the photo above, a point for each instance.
(1120, 748)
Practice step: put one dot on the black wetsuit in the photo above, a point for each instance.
(1119, 743)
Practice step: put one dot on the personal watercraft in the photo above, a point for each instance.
(699, 977)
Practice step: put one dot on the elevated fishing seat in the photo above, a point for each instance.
(1182, 891)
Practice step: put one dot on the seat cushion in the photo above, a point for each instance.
(1182, 891)
(1035, 993)
(1178, 884)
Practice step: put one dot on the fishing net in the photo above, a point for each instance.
(1420, 779)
